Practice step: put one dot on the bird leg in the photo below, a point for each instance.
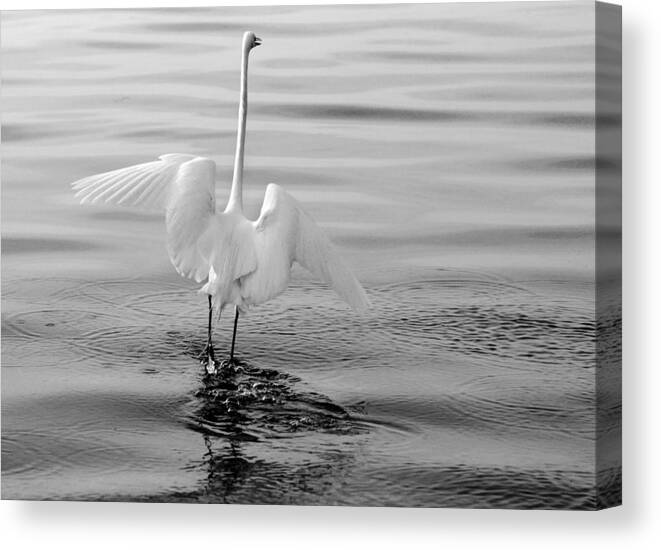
(208, 357)
(236, 320)
(228, 365)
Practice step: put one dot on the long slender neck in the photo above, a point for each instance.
(236, 194)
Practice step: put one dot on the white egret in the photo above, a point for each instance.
(244, 262)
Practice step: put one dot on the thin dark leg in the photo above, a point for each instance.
(210, 315)
(208, 355)
(236, 320)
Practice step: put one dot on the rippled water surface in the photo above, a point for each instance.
(448, 151)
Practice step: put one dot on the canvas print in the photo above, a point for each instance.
(362, 255)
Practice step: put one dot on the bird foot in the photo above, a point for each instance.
(225, 368)
(211, 366)
(208, 359)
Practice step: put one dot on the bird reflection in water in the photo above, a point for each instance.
(246, 406)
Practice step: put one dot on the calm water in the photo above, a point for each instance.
(448, 150)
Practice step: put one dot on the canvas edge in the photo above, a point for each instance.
(608, 254)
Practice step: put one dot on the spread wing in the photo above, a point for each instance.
(146, 186)
(286, 233)
(181, 185)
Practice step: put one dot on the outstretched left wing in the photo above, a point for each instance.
(146, 186)
(181, 185)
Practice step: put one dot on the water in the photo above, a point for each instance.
(448, 151)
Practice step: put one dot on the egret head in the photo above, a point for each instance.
(250, 41)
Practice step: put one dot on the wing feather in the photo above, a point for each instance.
(289, 234)
(92, 188)
(144, 185)
(181, 185)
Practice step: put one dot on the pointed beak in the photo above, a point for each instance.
(258, 41)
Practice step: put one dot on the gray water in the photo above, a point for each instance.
(447, 150)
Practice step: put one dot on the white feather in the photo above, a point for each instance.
(181, 185)
(144, 185)
(285, 233)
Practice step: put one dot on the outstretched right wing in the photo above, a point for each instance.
(286, 233)
(182, 185)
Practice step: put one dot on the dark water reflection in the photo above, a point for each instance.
(448, 151)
